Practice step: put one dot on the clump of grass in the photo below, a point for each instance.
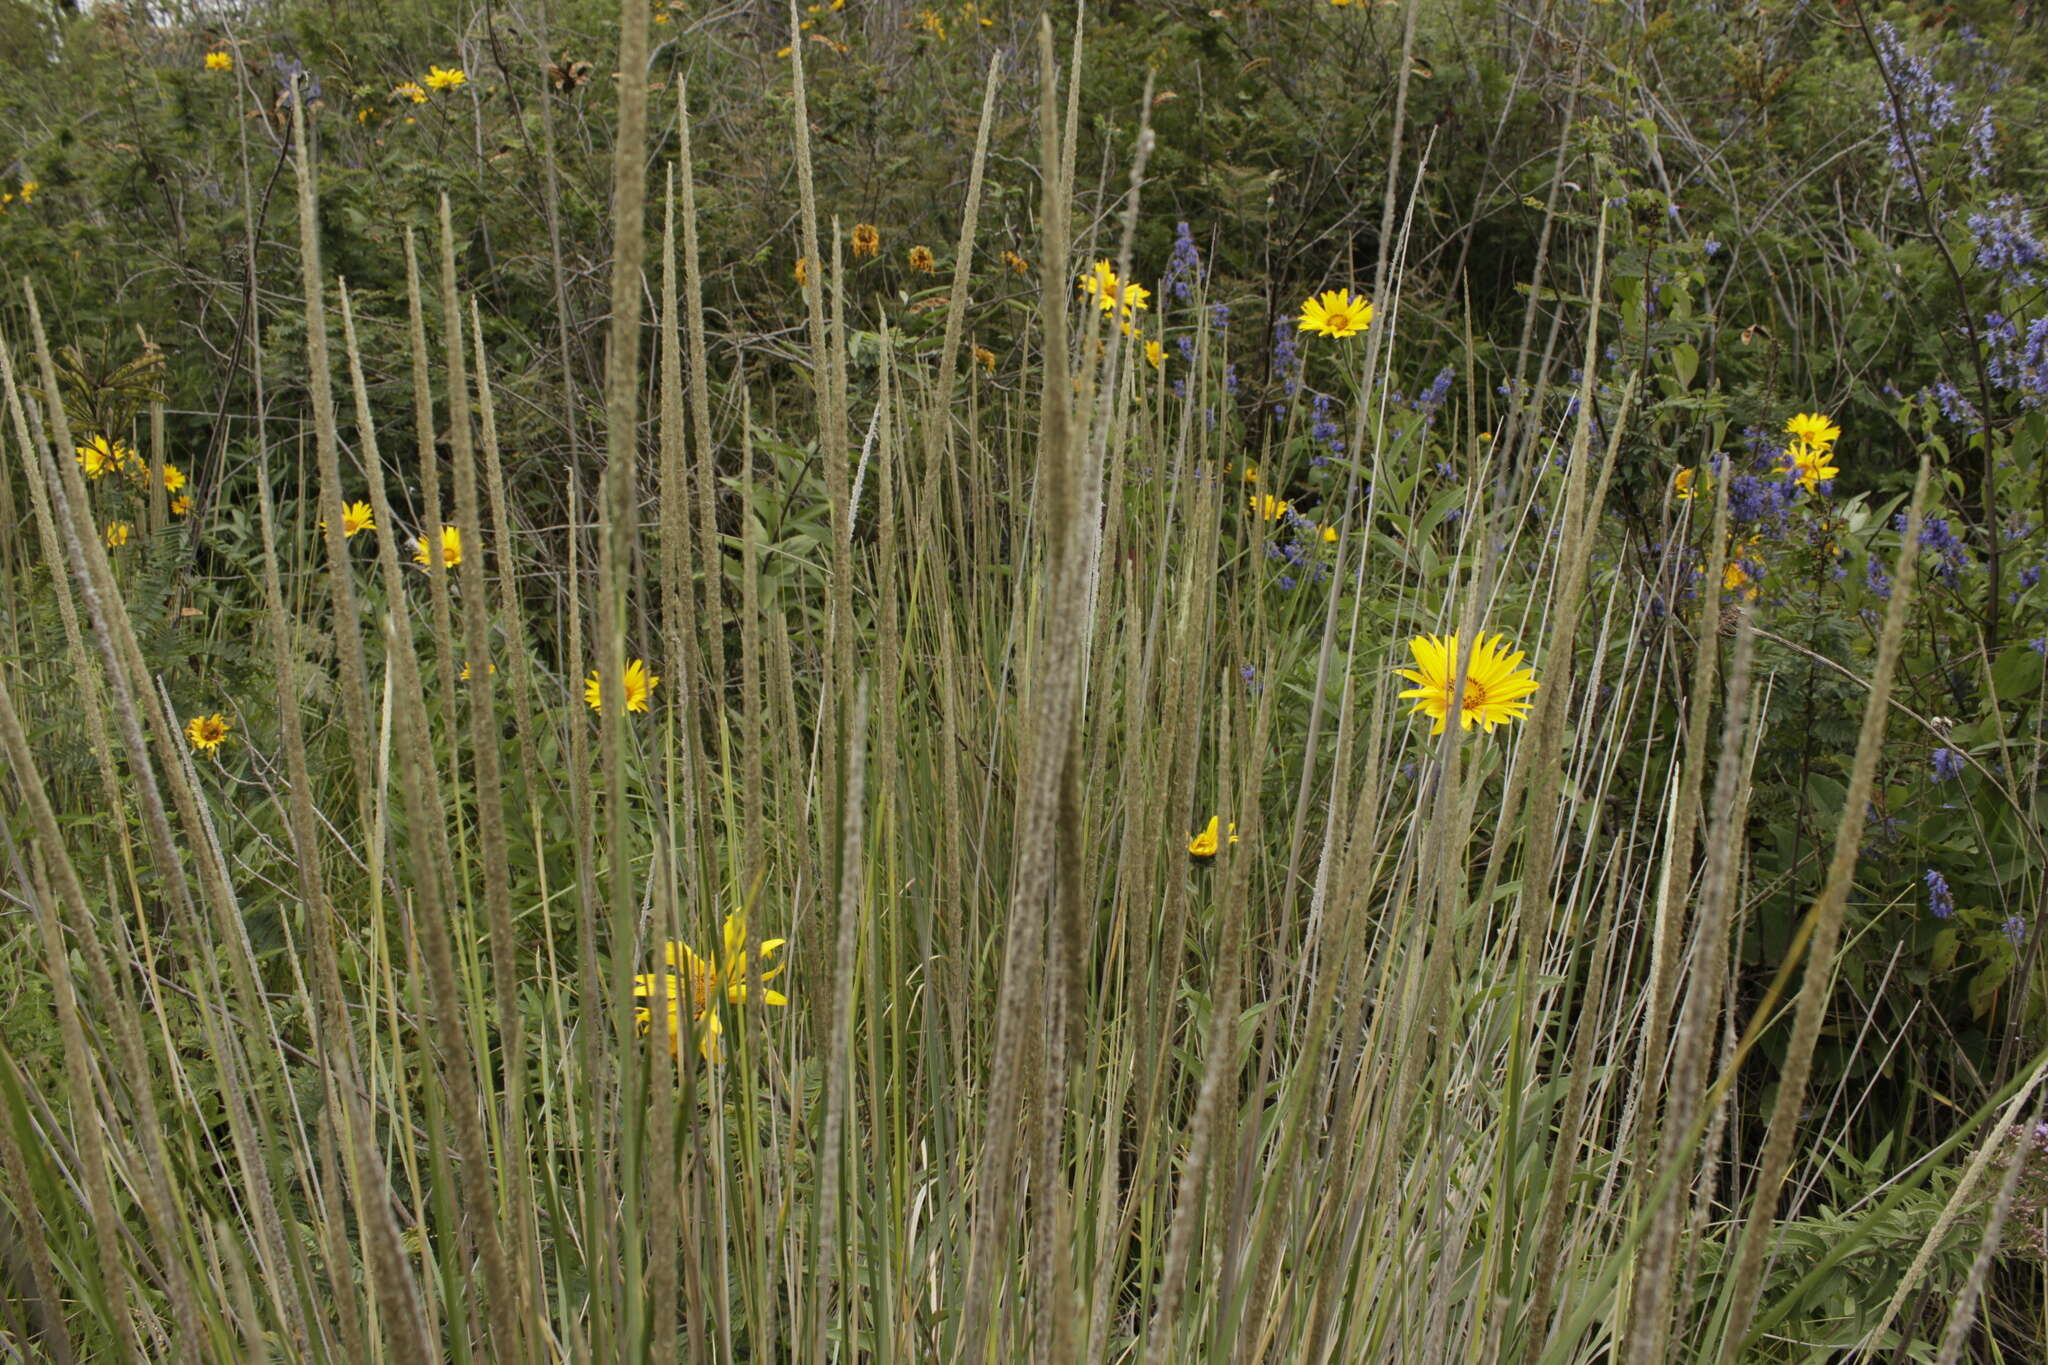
(1434, 1060)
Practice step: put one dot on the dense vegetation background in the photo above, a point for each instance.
(1698, 1016)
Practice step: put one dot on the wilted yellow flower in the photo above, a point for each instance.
(697, 982)
(1496, 684)
(803, 271)
(1202, 847)
(921, 260)
(1336, 314)
(220, 61)
(181, 504)
(1812, 465)
(410, 90)
(1016, 263)
(100, 457)
(867, 240)
(1813, 429)
(451, 548)
(983, 357)
(205, 733)
(117, 534)
(445, 79)
(640, 686)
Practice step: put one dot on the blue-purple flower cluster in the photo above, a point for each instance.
(1926, 104)
(1940, 902)
(1184, 267)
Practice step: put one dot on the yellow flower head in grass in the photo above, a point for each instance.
(1155, 354)
(867, 240)
(117, 534)
(100, 457)
(1110, 293)
(1496, 684)
(206, 733)
(220, 61)
(174, 478)
(802, 271)
(1812, 465)
(28, 190)
(1336, 314)
(1813, 429)
(695, 983)
(445, 79)
(409, 90)
(356, 516)
(1682, 484)
(1017, 264)
(640, 686)
(451, 548)
(983, 357)
(1329, 535)
(181, 504)
(922, 260)
(1270, 508)
(1202, 847)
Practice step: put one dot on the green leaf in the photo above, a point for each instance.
(1685, 359)
(2017, 672)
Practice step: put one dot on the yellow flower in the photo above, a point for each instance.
(1681, 484)
(220, 61)
(1202, 847)
(931, 23)
(365, 114)
(699, 981)
(1736, 579)
(867, 240)
(117, 534)
(205, 733)
(1496, 684)
(639, 687)
(1251, 472)
(181, 504)
(1102, 285)
(1270, 508)
(409, 90)
(983, 357)
(356, 516)
(174, 478)
(489, 668)
(1812, 465)
(448, 79)
(1329, 535)
(1813, 429)
(451, 548)
(803, 271)
(100, 457)
(28, 190)
(1336, 314)
(1016, 263)
(921, 260)
(1155, 354)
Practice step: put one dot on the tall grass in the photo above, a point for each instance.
(1436, 1061)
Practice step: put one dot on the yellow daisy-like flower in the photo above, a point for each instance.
(1202, 847)
(1270, 508)
(174, 478)
(867, 240)
(922, 261)
(1329, 535)
(1735, 579)
(451, 548)
(1336, 314)
(1812, 465)
(640, 686)
(220, 61)
(439, 78)
(697, 982)
(117, 534)
(1813, 429)
(1682, 484)
(409, 90)
(356, 516)
(1110, 293)
(206, 733)
(100, 457)
(1155, 354)
(181, 504)
(1496, 684)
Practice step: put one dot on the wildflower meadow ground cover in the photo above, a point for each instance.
(860, 681)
